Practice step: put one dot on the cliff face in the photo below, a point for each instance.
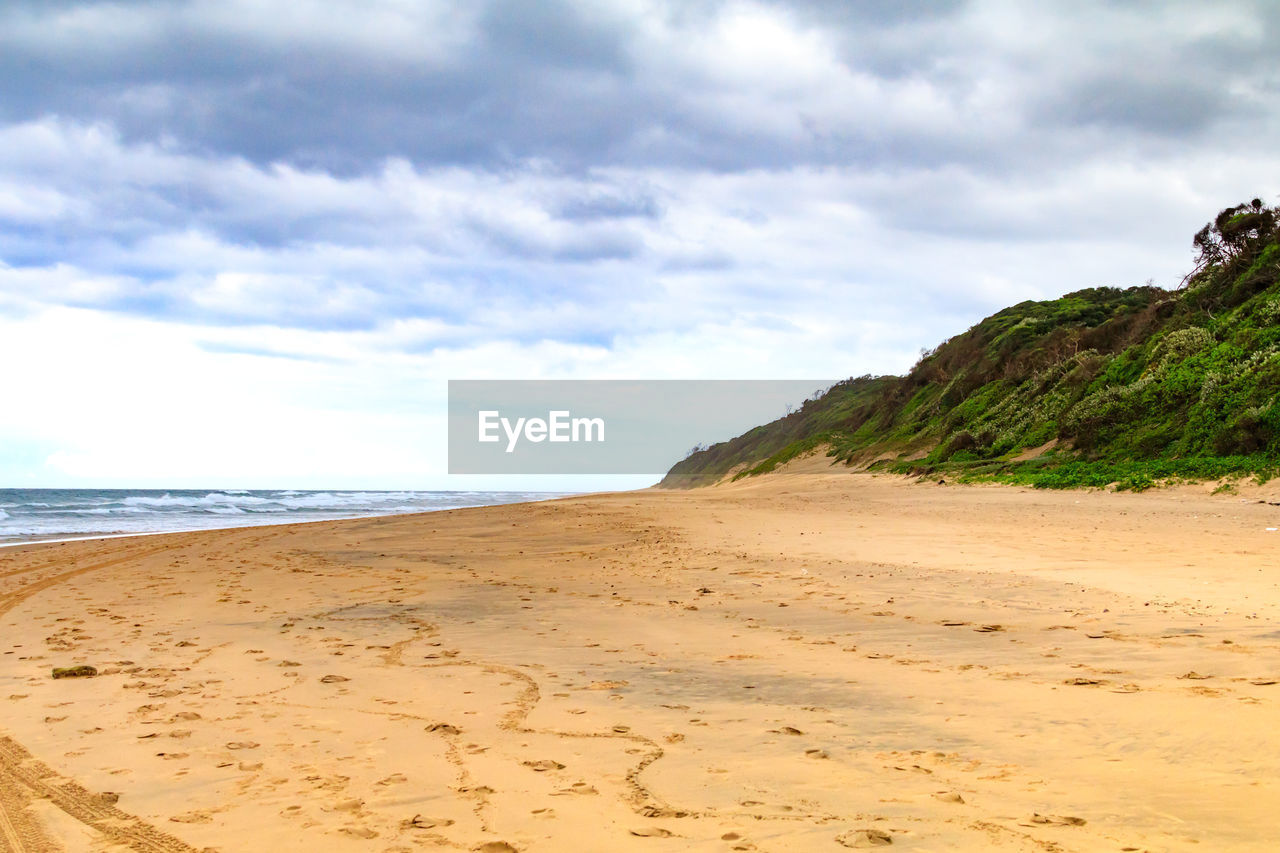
(1125, 385)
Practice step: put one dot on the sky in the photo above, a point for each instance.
(245, 243)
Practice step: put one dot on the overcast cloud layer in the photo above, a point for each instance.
(245, 243)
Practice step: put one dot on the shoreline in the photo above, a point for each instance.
(785, 663)
(74, 536)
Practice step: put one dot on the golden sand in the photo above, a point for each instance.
(797, 663)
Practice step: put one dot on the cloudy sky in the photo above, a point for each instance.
(246, 242)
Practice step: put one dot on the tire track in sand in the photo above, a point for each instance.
(24, 779)
(18, 829)
(93, 810)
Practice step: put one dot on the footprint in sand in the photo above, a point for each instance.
(861, 838)
(576, 788)
(543, 765)
(420, 822)
(1054, 820)
(662, 811)
(652, 832)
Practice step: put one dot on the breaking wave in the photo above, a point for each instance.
(68, 512)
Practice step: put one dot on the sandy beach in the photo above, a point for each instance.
(813, 661)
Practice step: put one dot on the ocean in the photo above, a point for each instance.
(29, 514)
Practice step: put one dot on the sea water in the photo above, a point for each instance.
(27, 514)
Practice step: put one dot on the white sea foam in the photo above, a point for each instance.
(212, 499)
(78, 512)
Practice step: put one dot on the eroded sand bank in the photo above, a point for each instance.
(795, 663)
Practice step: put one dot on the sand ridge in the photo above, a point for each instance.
(789, 663)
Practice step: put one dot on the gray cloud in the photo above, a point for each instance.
(593, 175)
(584, 86)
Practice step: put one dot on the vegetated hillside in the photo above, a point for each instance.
(1128, 386)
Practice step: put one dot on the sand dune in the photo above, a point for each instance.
(817, 662)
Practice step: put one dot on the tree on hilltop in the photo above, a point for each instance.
(1236, 236)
